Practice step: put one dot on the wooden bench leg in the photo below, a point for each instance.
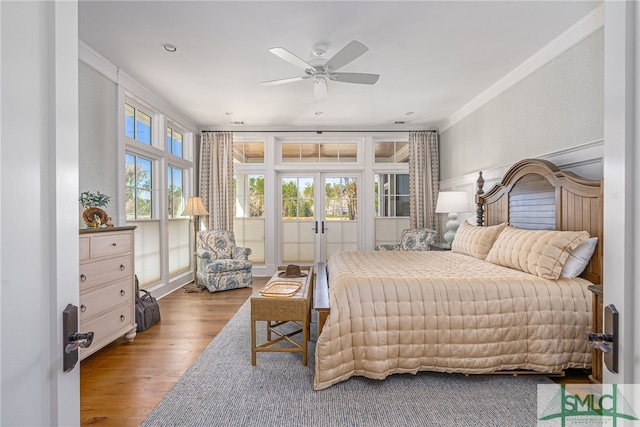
(305, 339)
(253, 342)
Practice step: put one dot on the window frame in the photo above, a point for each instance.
(161, 161)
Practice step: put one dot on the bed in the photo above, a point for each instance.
(502, 300)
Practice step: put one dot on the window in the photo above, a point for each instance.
(158, 177)
(249, 223)
(392, 151)
(175, 201)
(174, 142)
(248, 152)
(138, 178)
(392, 194)
(137, 124)
(304, 152)
(249, 196)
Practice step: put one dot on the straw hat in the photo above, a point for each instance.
(292, 271)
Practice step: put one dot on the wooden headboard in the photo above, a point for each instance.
(535, 194)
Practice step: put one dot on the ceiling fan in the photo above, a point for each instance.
(320, 69)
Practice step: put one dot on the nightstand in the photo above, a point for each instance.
(439, 247)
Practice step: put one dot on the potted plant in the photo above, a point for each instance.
(93, 214)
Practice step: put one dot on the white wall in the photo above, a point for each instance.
(558, 107)
(98, 152)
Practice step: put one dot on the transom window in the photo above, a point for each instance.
(137, 125)
(303, 152)
(392, 151)
(248, 152)
(174, 142)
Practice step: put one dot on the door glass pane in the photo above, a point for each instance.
(298, 234)
(341, 199)
(341, 214)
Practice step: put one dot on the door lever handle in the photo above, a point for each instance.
(78, 340)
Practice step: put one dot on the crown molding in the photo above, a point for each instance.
(102, 65)
(96, 61)
(565, 41)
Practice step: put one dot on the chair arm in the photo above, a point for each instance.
(388, 247)
(241, 253)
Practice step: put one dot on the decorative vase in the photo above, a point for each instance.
(94, 217)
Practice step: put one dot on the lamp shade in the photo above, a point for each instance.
(195, 207)
(452, 201)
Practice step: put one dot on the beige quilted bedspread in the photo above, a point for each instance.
(404, 312)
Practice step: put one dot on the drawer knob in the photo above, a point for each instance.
(83, 278)
(114, 244)
(121, 267)
(122, 292)
(122, 318)
(83, 308)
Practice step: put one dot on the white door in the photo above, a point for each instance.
(39, 219)
(319, 216)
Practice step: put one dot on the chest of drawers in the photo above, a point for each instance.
(107, 286)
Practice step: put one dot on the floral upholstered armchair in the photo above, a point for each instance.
(221, 264)
(413, 239)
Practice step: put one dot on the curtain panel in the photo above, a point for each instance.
(424, 179)
(216, 179)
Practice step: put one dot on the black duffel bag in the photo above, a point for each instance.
(147, 309)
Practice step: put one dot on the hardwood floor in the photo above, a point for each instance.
(122, 383)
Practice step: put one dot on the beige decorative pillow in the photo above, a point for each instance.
(538, 252)
(475, 241)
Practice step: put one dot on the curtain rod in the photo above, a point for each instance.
(319, 132)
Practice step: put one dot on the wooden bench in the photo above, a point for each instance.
(277, 311)
(321, 295)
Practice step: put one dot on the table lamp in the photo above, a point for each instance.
(452, 202)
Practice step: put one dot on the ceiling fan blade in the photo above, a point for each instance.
(320, 88)
(348, 53)
(360, 78)
(282, 81)
(290, 58)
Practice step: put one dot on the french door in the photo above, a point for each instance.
(319, 216)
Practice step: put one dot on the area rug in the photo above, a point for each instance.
(221, 388)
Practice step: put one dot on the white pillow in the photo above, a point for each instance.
(579, 258)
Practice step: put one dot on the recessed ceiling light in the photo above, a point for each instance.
(408, 113)
(170, 48)
(319, 113)
(229, 113)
